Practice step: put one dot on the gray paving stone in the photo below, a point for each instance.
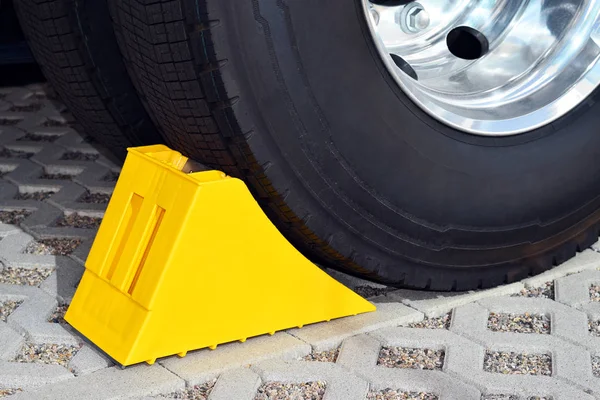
(326, 336)
(63, 282)
(31, 320)
(436, 304)
(29, 375)
(238, 384)
(570, 363)
(111, 383)
(360, 353)
(573, 290)
(11, 253)
(88, 360)
(10, 342)
(202, 365)
(341, 384)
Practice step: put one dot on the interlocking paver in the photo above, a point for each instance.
(79, 176)
(239, 384)
(327, 336)
(109, 383)
(200, 366)
(340, 384)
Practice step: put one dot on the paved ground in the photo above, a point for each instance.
(537, 339)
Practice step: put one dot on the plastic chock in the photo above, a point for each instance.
(184, 261)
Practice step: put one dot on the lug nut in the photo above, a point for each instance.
(414, 18)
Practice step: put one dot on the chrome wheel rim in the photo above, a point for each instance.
(490, 67)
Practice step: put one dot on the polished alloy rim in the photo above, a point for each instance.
(490, 67)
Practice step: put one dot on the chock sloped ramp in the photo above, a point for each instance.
(186, 261)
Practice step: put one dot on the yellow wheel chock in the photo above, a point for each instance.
(187, 261)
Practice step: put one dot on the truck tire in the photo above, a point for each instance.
(293, 97)
(74, 44)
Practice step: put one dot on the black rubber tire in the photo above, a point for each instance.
(75, 46)
(291, 96)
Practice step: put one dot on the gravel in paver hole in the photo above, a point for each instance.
(56, 176)
(7, 307)
(442, 322)
(79, 221)
(58, 316)
(594, 328)
(24, 276)
(32, 137)
(596, 366)
(111, 177)
(391, 394)
(517, 363)
(9, 392)
(198, 392)
(10, 121)
(595, 293)
(54, 122)
(38, 196)
(405, 357)
(29, 108)
(323, 356)
(519, 323)
(499, 397)
(545, 291)
(14, 217)
(368, 291)
(95, 198)
(54, 247)
(58, 354)
(539, 398)
(9, 153)
(79, 156)
(291, 391)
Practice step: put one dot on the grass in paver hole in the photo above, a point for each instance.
(391, 394)
(442, 322)
(9, 153)
(406, 357)
(14, 217)
(517, 363)
(7, 307)
(596, 366)
(29, 108)
(198, 392)
(38, 196)
(32, 137)
(53, 247)
(545, 291)
(58, 354)
(56, 176)
(10, 121)
(58, 316)
(95, 198)
(9, 392)
(79, 221)
(519, 323)
(323, 356)
(24, 276)
(595, 293)
(291, 391)
(79, 156)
